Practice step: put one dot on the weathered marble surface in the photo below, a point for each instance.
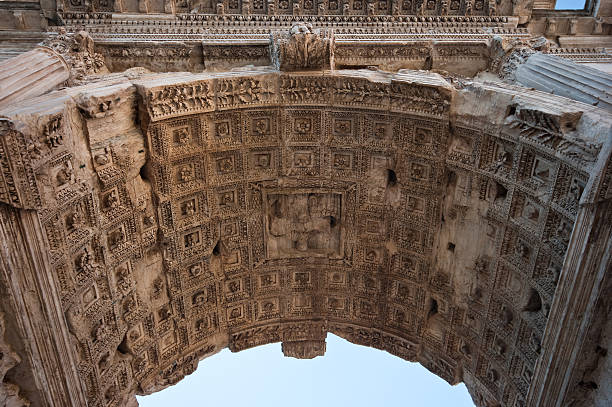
(235, 174)
(182, 213)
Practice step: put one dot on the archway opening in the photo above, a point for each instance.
(348, 375)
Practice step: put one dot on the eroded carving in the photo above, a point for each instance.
(243, 201)
(304, 48)
(554, 131)
(303, 224)
(78, 51)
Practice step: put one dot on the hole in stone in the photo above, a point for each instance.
(500, 347)
(500, 191)
(332, 221)
(451, 246)
(451, 178)
(143, 173)
(123, 348)
(433, 307)
(511, 111)
(534, 303)
(217, 249)
(276, 209)
(391, 178)
(442, 218)
(507, 315)
(588, 385)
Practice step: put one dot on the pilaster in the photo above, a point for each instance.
(574, 311)
(31, 74)
(562, 77)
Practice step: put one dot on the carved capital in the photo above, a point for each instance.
(512, 60)
(508, 55)
(78, 51)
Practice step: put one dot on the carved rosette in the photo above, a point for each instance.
(303, 48)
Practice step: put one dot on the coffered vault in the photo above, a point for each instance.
(278, 191)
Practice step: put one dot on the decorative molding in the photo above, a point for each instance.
(261, 193)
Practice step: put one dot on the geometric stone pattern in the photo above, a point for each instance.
(244, 209)
(178, 177)
(331, 7)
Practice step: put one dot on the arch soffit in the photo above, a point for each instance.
(396, 211)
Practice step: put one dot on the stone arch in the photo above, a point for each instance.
(397, 211)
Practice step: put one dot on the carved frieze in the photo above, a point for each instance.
(286, 7)
(235, 52)
(171, 51)
(180, 99)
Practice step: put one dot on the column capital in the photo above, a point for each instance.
(508, 54)
(77, 51)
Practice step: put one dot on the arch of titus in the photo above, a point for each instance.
(429, 178)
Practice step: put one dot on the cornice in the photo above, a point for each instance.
(71, 18)
(401, 33)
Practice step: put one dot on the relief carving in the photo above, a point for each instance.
(304, 48)
(9, 392)
(173, 100)
(554, 131)
(331, 216)
(303, 349)
(78, 51)
(303, 224)
(98, 107)
(52, 134)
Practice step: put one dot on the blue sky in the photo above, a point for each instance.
(348, 375)
(569, 4)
